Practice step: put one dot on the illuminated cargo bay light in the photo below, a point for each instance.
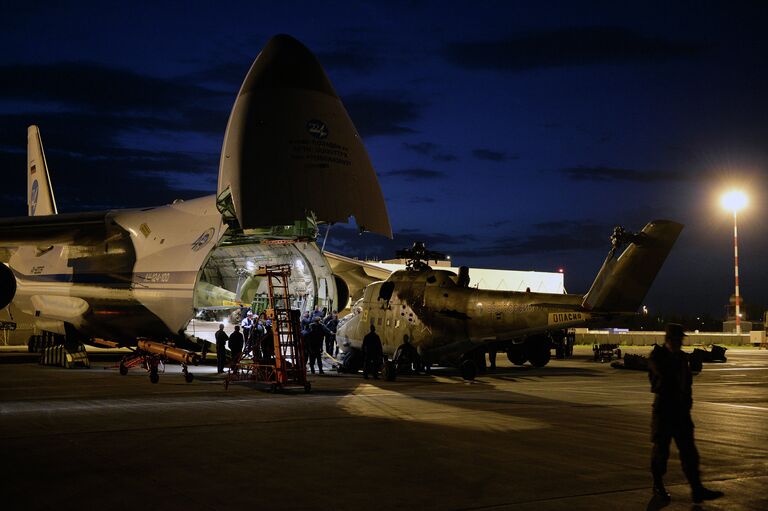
(735, 201)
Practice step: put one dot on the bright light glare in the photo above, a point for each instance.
(735, 200)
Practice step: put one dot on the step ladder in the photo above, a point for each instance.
(289, 368)
(290, 362)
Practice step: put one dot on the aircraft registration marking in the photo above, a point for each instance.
(557, 318)
(155, 277)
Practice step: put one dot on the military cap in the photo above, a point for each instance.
(675, 330)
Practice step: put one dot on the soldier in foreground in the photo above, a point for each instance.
(670, 375)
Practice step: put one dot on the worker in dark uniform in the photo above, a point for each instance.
(268, 343)
(306, 320)
(331, 323)
(406, 358)
(221, 348)
(314, 339)
(670, 375)
(236, 341)
(372, 354)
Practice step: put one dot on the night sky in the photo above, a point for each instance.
(506, 134)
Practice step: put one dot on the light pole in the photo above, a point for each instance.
(735, 201)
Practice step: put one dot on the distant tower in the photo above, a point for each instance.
(729, 325)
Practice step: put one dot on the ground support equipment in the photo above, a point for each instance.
(154, 361)
(65, 355)
(288, 367)
(606, 352)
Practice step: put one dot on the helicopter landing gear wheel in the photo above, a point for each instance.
(468, 369)
(389, 371)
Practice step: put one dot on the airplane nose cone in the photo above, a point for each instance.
(285, 63)
(289, 127)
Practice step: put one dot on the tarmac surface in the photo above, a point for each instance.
(573, 435)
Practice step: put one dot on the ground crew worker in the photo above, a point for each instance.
(247, 325)
(221, 348)
(257, 334)
(331, 323)
(268, 342)
(314, 339)
(372, 354)
(236, 344)
(670, 376)
(406, 357)
(306, 320)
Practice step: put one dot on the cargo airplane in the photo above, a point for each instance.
(144, 274)
(447, 322)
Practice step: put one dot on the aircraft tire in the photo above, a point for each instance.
(188, 377)
(468, 369)
(516, 355)
(389, 370)
(153, 376)
(539, 354)
(351, 361)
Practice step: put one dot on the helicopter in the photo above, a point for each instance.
(438, 315)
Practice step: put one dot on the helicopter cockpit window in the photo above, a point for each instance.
(386, 290)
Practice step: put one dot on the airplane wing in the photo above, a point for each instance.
(356, 274)
(51, 229)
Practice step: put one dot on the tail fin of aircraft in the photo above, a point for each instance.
(40, 199)
(624, 280)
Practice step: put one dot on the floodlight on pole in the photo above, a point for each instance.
(735, 201)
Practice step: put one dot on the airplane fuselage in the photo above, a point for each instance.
(145, 273)
(122, 274)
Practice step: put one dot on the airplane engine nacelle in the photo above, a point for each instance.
(7, 286)
(342, 292)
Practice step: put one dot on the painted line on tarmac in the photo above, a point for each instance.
(736, 369)
(733, 405)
